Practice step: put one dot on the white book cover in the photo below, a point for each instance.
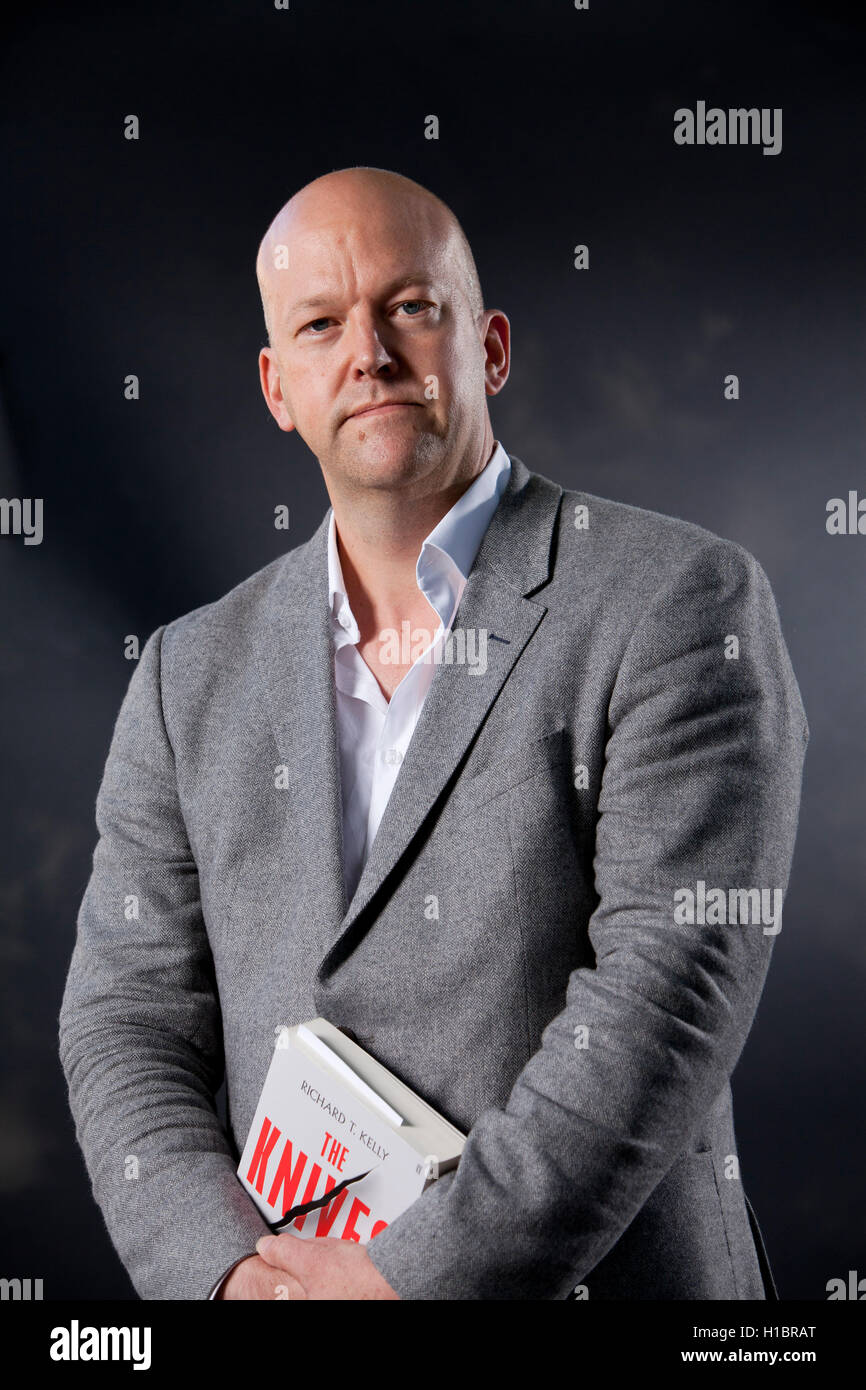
(321, 1128)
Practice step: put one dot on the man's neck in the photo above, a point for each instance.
(379, 538)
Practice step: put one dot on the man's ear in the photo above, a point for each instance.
(272, 389)
(497, 346)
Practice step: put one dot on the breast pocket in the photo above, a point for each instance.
(543, 756)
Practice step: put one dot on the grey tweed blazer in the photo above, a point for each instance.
(512, 950)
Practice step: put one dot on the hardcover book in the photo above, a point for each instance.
(339, 1146)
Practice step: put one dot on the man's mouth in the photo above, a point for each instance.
(384, 409)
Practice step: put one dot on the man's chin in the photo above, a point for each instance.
(388, 463)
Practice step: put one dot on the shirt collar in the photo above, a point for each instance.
(447, 553)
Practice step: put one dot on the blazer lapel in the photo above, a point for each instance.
(512, 561)
(294, 657)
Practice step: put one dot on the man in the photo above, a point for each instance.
(532, 857)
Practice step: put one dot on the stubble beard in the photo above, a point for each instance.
(359, 469)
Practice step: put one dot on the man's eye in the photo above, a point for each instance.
(418, 305)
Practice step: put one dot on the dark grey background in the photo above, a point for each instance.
(556, 128)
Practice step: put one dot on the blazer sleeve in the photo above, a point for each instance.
(701, 782)
(140, 1032)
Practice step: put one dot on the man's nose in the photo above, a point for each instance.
(370, 353)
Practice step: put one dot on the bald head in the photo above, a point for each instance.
(380, 351)
(379, 195)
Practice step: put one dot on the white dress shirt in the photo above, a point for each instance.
(373, 732)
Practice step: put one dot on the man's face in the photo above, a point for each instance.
(391, 322)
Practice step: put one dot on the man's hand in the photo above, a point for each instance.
(252, 1278)
(288, 1267)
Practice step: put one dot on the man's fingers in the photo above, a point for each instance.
(286, 1251)
(326, 1267)
(275, 1281)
